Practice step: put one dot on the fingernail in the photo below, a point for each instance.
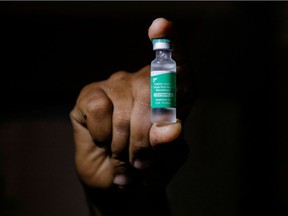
(121, 179)
(140, 164)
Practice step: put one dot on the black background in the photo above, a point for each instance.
(236, 128)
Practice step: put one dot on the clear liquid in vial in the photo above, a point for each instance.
(163, 62)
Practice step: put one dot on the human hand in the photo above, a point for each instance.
(115, 142)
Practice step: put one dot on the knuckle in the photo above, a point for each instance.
(98, 107)
(119, 76)
(87, 93)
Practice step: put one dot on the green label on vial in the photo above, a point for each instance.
(163, 89)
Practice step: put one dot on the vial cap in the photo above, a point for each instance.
(161, 43)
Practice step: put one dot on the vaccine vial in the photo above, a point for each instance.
(163, 83)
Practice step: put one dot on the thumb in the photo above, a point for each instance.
(164, 133)
(163, 28)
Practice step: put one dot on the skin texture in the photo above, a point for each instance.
(116, 145)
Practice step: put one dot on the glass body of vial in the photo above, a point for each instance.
(163, 83)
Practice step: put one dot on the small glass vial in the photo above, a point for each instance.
(163, 83)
